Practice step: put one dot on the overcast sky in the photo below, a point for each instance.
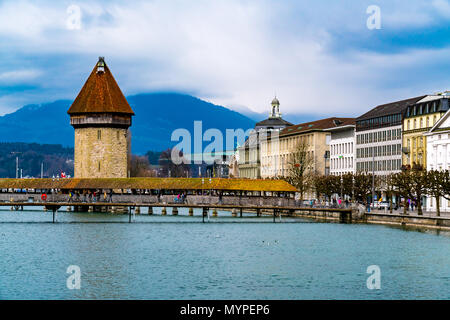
(319, 57)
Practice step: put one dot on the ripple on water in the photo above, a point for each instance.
(181, 258)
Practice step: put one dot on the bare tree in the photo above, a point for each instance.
(363, 186)
(140, 167)
(403, 183)
(390, 191)
(326, 185)
(171, 168)
(438, 186)
(300, 173)
(419, 185)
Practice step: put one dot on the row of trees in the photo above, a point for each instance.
(356, 186)
(417, 182)
(409, 184)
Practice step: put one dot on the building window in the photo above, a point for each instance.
(118, 135)
(99, 166)
(99, 134)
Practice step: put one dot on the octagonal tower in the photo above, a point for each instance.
(101, 117)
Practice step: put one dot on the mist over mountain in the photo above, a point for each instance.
(291, 117)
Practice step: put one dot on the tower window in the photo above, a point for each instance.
(118, 135)
(99, 134)
(99, 166)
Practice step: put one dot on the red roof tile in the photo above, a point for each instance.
(100, 94)
(317, 125)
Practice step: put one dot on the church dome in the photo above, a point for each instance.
(275, 101)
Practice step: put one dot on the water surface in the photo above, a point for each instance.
(168, 257)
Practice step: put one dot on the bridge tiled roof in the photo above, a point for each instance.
(100, 94)
(150, 183)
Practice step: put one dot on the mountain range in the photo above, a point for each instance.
(157, 115)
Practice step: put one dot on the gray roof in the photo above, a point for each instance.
(270, 122)
(389, 108)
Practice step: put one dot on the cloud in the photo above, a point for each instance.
(19, 76)
(319, 58)
(443, 7)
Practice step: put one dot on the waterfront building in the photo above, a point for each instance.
(101, 117)
(438, 155)
(379, 138)
(420, 118)
(249, 162)
(277, 153)
(342, 148)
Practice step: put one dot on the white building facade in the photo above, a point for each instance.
(438, 155)
(342, 150)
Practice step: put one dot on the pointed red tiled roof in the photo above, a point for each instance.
(100, 94)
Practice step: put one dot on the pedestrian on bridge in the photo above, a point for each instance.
(110, 195)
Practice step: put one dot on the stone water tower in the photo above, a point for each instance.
(101, 117)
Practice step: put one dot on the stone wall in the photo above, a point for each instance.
(101, 153)
(397, 219)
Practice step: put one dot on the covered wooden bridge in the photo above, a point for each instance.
(124, 195)
(150, 190)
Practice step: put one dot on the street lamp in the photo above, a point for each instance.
(373, 179)
(203, 182)
(353, 189)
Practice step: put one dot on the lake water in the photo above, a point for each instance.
(178, 257)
